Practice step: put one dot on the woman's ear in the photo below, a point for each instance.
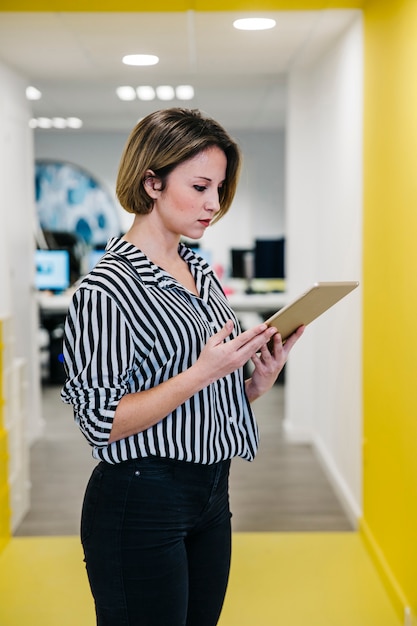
(152, 184)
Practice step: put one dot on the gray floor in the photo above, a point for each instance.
(284, 489)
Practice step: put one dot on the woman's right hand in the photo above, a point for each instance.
(220, 357)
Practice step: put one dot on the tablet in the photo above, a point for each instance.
(309, 305)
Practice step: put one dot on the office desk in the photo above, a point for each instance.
(257, 302)
(53, 305)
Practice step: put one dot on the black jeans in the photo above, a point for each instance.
(157, 539)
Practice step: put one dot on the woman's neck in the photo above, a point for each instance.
(161, 247)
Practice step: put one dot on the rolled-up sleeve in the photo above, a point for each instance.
(99, 358)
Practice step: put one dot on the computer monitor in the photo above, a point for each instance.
(242, 262)
(270, 258)
(52, 270)
(62, 240)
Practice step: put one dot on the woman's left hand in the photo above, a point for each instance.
(269, 363)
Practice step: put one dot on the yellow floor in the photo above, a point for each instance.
(277, 579)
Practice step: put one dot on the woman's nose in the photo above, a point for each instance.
(213, 203)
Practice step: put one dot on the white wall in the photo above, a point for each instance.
(324, 234)
(258, 209)
(17, 212)
(7, 82)
(18, 308)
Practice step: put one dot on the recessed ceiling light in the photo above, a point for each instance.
(148, 93)
(44, 122)
(145, 92)
(74, 122)
(184, 92)
(165, 92)
(32, 93)
(126, 92)
(56, 122)
(59, 122)
(254, 23)
(140, 59)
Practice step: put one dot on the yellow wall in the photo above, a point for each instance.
(4, 460)
(390, 290)
(390, 264)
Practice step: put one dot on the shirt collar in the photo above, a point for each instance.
(151, 274)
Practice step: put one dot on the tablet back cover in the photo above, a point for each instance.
(310, 305)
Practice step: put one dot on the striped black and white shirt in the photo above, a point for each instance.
(131, 326)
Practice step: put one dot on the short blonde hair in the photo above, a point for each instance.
(161, 141)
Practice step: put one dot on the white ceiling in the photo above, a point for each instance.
(239, 77)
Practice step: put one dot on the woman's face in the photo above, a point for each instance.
(190, 199)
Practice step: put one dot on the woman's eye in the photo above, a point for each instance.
(200, 187)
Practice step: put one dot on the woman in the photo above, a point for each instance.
(154, 358)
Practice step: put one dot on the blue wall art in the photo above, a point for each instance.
(70, 199)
